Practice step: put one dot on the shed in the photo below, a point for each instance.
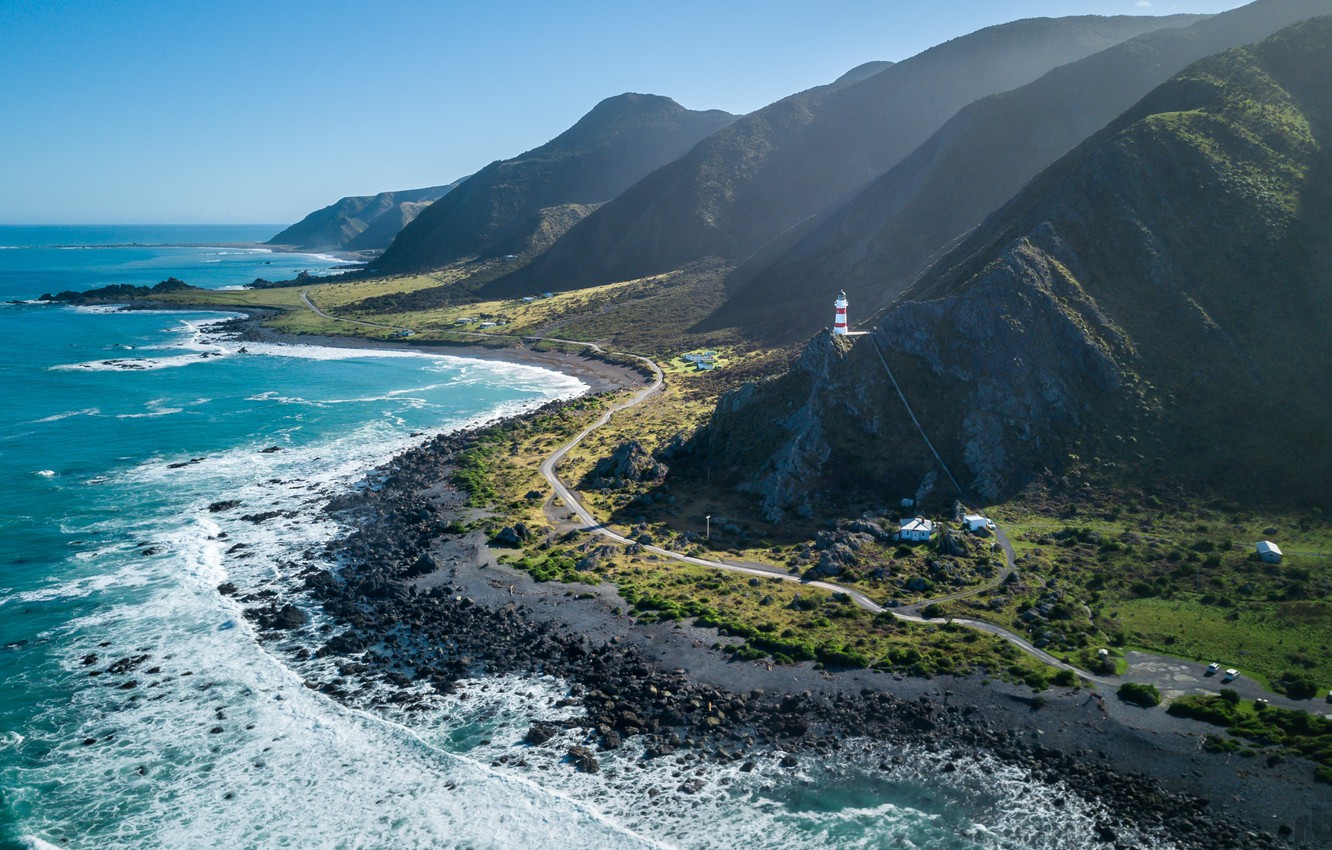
(920, 529)
(975, 522)
(1269, 551)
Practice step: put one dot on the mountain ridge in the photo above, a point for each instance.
(1105, 319)
(619, 141)
(772, 168)
(887, 233)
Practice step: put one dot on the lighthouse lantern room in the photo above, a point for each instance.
(839, 324)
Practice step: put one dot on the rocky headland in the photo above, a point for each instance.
(419, 600)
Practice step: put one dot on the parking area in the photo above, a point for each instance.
(1174, 678)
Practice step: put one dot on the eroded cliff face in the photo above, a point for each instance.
(1028, 349)
(832, 425)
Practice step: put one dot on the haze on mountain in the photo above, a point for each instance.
(774, 167)
(360, 222)
(1154, 308)
(876, 243)
(521, 205)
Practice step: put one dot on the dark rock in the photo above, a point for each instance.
(583, 760)
(538, 734)
(225, 505)
(630, 462)
(126, 664)
(289, 617)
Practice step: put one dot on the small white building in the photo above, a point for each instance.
(976, 522)
(485, 325)
(1269, 551)
(919, 529)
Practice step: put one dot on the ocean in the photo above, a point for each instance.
(137, 707)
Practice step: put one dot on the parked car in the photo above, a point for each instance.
(1213, 667)
(1231, 675)
(1259, 704)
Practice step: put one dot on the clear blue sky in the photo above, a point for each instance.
(159, 111)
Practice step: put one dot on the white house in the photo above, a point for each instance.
(976, 522)
(916, 529)
(1269, 551)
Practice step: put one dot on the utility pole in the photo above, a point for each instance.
(707, 533)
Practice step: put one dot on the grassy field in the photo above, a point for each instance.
(1171, 578)
(652, 315)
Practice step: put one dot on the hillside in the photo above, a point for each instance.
(774, 167)
(877, 243)
(510, 206)
(360, 223)
(1155, 307)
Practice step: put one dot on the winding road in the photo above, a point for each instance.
(1169, 674)
(1172, 676)
(305, 298)
(571, 500)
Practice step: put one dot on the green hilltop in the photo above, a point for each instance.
(877, 242)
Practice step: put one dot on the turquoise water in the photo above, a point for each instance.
(110, 552)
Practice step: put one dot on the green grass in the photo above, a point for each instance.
(1264, 644)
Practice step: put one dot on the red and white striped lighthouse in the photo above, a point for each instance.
(839, 325)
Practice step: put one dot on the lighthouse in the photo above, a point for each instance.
(839, 324)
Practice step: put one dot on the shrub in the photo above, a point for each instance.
(1204, 708)
(1297, 686)
(932, 611)
(1065, 678)
(1137, 693)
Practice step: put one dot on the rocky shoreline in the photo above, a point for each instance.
(419, 602)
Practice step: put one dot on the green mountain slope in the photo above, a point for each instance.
(360, 223)
(877, 243)
(499, 209)
(1155, 306)
(769, 170)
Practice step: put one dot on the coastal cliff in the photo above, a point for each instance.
(1126, 313)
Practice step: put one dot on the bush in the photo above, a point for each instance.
(932, 611)
(1137, 693)
(1297, 686)
(1065, 678)
(1207, 709)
